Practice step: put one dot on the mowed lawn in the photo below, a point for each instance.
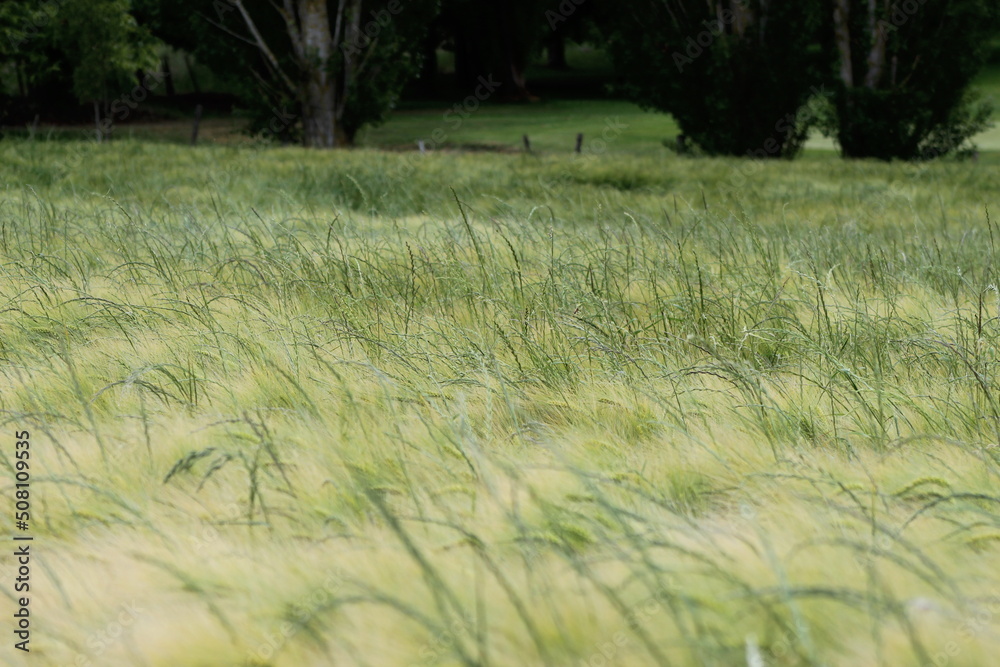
(367, 407)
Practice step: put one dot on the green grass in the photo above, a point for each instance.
(304, 408)
(551, 127)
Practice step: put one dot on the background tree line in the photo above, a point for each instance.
(886, 78)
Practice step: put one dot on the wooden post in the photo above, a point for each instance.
(197, 122)
(97, 121)
(527, 144)
(579, 142)
(167, 75)
(421, 145)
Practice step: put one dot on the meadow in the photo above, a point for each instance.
(294, 408)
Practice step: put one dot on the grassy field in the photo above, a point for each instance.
(371, 408)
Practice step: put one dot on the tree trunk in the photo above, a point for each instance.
(191, 74)
(468, 63)
(513, 83)
(319, 99)
(22, 87)
(743, 18)
(429, 66)
(842, 35)
(556, 46)
(168, 76)
(342, 136)
(876, 57)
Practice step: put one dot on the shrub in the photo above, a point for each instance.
(903, 75)
(733, 75)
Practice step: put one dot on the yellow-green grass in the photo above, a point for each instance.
(302, 408)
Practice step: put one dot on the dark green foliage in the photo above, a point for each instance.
(106, 45)
(917, 105)
(66, 52)
(735, 81)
